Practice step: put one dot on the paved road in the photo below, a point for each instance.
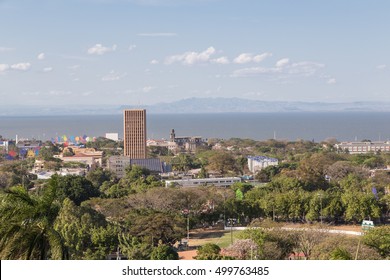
(336, 231)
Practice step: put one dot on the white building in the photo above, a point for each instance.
(218, 182)
(45, 175)
(112, 136)
(256, 163)
(5, 145)
(363, 147)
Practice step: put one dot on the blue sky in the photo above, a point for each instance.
(115, 52)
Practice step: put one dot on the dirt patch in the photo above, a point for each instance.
(356, 228)
(187, 255)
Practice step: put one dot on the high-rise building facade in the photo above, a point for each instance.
(134, 133)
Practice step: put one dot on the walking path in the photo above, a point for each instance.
(335, 231)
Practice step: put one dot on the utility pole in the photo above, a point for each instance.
(186, 213)
(357, 250)
(188, 227)
(231, 230)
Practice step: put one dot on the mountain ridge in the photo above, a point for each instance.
(198, 105)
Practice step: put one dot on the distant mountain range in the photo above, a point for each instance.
(236, 105)
(202, 105)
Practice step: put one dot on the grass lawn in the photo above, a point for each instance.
(220, 237)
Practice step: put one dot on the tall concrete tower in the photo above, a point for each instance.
(134, 133)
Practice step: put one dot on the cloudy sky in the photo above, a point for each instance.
(114, 52)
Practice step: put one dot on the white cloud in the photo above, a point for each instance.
(254, 71)
(282, 69)
(112, 76)
(47, 69)
(221, 60)
(158, 34)
(331, 81)
(87, 93)
(154, 61)
(41, 56)
(74, 67)
(243, 58)
(282, 62)
(260, 57)
(23, 66)
(381, 67)
(248, 57)
(147, 89)
(304, 68)
(190, 58)
(99, 49)
(132, 47)
(4, 67)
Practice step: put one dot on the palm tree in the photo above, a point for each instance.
(27, 225)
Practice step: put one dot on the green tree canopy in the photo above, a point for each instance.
(209, 251)
(164, 227)
(379, 239)
(164, 252)
(86, 232)
(76, 188)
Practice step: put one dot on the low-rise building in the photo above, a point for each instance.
(171, 146)
(90, 157)
(363, 147)
(47, 174)
(112, 136)
(218, 182)
(187, 143)
(118, 165)
(256, 163)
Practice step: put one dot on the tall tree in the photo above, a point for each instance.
(223, 163)
(85, 232)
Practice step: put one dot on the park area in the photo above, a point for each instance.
(224, 238)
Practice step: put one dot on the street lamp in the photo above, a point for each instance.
(231, 222)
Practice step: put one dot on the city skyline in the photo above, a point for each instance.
(114, 52)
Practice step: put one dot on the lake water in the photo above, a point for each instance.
(344, 126)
